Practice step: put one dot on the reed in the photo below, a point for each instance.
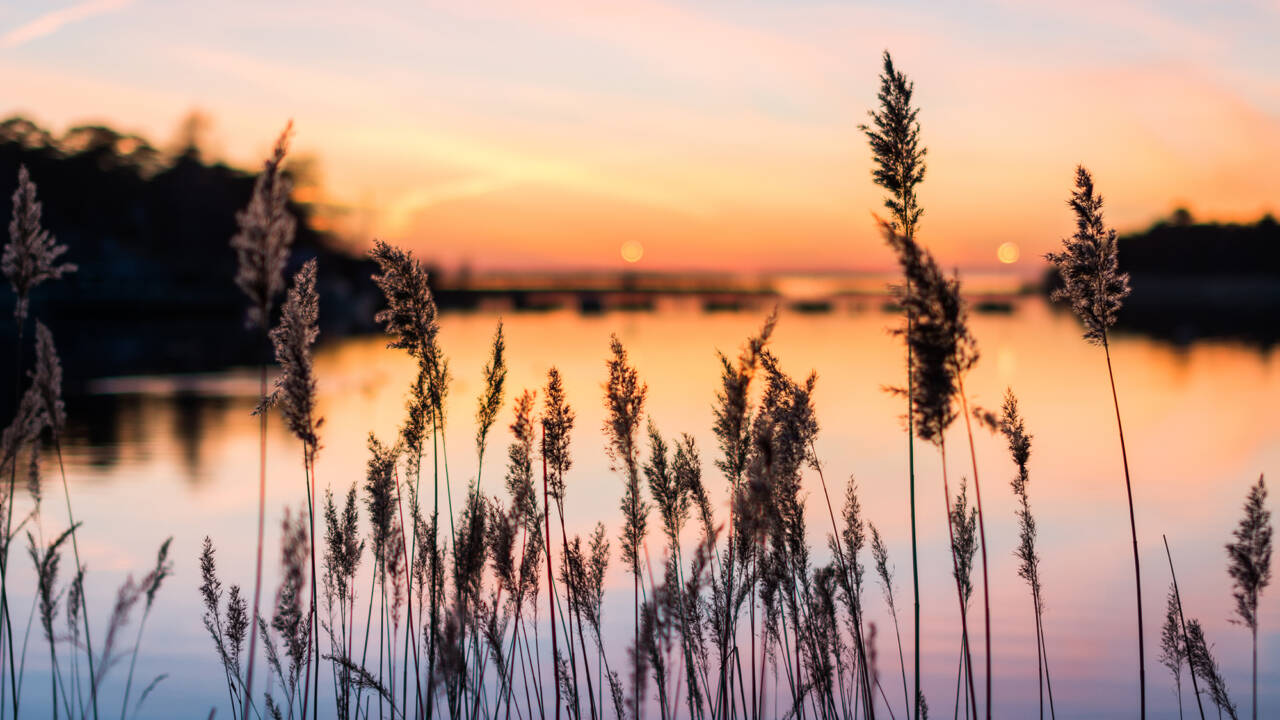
(1205, 665)
(964, 547)
(624, 403)
(1249, 565)
(1173, 649)
(880, 554)
(1013, 428)
(1182, 621)
(293, 339)
(894, 136)
(941, 350)
(262, 243)
(1094, 287)
(30, 257)
(733, 414)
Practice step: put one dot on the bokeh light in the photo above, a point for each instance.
(632, 251)
(1008, 253)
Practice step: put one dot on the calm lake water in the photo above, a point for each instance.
(153, 457)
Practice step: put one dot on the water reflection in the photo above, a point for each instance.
(150, 457)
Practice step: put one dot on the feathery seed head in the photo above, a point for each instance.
(937, 332)
(31, 255)
(380, 494)
(495, 376)
(732, 408)
(265, 235)
(557, 424)
(1250, 555)
(1090, 264)
(894, 135)
(294, 339)
(410, 315)
(46, 379)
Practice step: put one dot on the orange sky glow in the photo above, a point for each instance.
(716, 135)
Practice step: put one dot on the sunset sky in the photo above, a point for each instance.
(707, 134)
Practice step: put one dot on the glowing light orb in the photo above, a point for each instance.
(1008, 253)
(632, 251)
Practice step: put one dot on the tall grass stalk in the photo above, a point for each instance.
(1182, 621)
(982, 536)
(880, 554)
(894, 136)
(30, 257)
(624, 403)
(293, 339)
(1089, 267)
(262, 248)
(1250, 568)
(1012, 426)
(46, 380)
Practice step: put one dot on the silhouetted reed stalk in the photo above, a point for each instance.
(1013, 428)
(942, 349)
(1089, 267)
(262, 248)
(551, 582)
(1250, 568)
(557, 423)
(293, 339)
(150, 586)
(1173, 650)
(624, 403)
(881, 555)
(1205, 665)
(46, 381)
(982, 528)
(894, 136)
(1186, 635)
(410, 318)
(29, 258)
(964, 546)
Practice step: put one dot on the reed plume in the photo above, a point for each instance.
(265, 235)
(1093, 285)
(1250, 567)
(894, 136)
(1205, 665)
(294, 339)
(261, 243)
(495, 377)
(1173, 649)
(1013, 427)
(31, 255)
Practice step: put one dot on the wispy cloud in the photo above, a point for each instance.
(52, 21)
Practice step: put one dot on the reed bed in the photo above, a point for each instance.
(382, 612)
